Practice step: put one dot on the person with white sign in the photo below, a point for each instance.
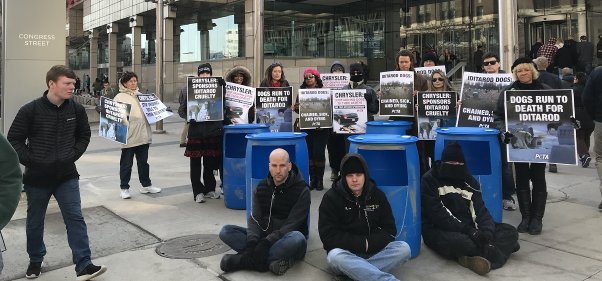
(139, 139)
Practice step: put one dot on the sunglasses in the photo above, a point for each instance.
(438, 79)
(490, 62)
(309, 77)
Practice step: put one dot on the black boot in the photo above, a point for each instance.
(319, 173)
(231, 263)
(524, 204)
(538, 208)
(312, 177)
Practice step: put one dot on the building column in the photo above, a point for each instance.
(168, 45)
(582, 26)
(508, 32)
(112, 30)
(136, 23)
(254, 36)
(203, 26)
(93, 55)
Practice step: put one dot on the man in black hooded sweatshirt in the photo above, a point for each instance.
(455, 222)
(357, 227)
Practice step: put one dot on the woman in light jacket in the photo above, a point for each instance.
(139, 138)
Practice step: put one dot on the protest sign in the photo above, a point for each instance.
(396, 93)
(478, 97)
(540, 121)
(239, 99)
(153, 108)
(349, 111)
(274, 108)
(205, 99)
(435, 110)
(315, 108)
(427, 70)
(335, 80)
(114, 120)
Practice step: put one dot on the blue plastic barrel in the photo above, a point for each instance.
(393, 163)
(235, 145)
(389, 127)
(259, 147)
(482, 154)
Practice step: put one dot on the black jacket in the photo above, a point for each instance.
(288, 204)
(346, 221)
(49, 139)
(550, 79)
(498, 113)
(449, 206)
(592, 95)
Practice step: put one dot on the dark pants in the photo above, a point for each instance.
(534, 172)
(127, 161)
(68, 197)
(583, 140)
(336, 150)
(508, 186)
(292, 245)
(316, 144)
(453, 245)
(196, 166)
(426, 154)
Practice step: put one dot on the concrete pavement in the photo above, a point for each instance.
(125, 233)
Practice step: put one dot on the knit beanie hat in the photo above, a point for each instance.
(356, 67)
(337, 65)
(311, 71)
(431, 57)
(204, 68)
(452, 152)
(521, 61)
(352, 165)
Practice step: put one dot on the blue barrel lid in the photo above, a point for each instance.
(245, 126)
(276, 136)
(382, 139)
(389, 123)
(467, 131)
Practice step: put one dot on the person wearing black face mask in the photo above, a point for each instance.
(455, 222)
(358, 73)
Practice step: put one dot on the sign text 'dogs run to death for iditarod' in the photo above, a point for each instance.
(274, 108)
(540, 121)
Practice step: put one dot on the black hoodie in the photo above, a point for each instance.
(279, 210)
(346, 221)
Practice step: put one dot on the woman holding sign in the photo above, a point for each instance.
(139, 137)
(274, 76)
(316, 138)
(532, 203)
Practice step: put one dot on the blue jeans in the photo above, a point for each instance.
(598, 149)
(127, 161)
(343, 262)
(68, 198)
(292, 245)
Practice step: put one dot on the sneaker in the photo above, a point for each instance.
(508, 204)
(279, 267)
(585, 161)
(479, 265)
(333, 175)
(90, 272)
(214, 194)
(34, 270)
(150, 189)
(553, 168)
(125, 194)
(200, 198)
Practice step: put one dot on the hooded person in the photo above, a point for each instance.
(242, 76)
(337, 67)
(359, 72)
(455, 221)
(356, 225)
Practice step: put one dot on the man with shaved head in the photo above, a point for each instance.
(277, 230)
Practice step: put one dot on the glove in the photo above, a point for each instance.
(221, 81)
(507, 136)
(260, 255)
(576, 123)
